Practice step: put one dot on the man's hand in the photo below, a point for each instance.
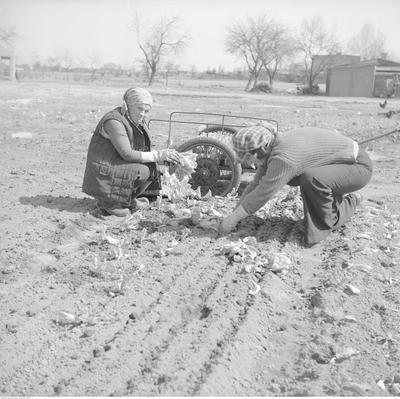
(230, 222)
(227, 225)
(167, 155)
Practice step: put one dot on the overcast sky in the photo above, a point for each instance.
(103, 28)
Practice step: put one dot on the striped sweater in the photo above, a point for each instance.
(294, 152)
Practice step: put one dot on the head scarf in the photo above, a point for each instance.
(253, 137)
(136, 96)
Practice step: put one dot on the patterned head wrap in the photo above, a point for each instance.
(252, 137)
(136, 96)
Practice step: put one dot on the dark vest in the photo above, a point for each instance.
(107, 175)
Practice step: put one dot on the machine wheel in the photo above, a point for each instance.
(218, 129)
(217, 167)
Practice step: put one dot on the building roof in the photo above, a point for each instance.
(345, 58)
(378, 62)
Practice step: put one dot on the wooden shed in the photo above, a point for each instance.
(372, 78)
(321, 64)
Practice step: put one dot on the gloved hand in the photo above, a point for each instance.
(230, 222)
(167, 155)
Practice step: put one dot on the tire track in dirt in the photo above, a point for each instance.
(193, 346)
(248, 361)
(164, 347)
(194, 335)
(197, 309)
(221, 341)
(155, 324)
(219, 350)
(293, 357)
(204, 344)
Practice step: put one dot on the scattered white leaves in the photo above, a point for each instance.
(364, 236)
(176, 189)
(345, 354)
(381, 385)
(118, 288)
(279, 262)
(187, 164)
(66, 318)
(182, 213)
(250, 240)
(132, 223)
(176, 185)
(352, 289)
(22, 135)
(361, 266)
(350, 319)
(106, 237)
(142, 235)
(250, 268)
(216, 213)
(361, 389)
(256, 288)
(240, 250)
(141, 267)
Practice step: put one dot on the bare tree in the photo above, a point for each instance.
(368, 43)
(315, 40)
(260, 42)
(162, 39)
(8, 36)
(283, 46)
(247, 40)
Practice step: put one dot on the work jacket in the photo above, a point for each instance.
(107, 176)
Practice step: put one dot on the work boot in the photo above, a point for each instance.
(113, 209)
(120, 212)
(357, 196)
(140, 203)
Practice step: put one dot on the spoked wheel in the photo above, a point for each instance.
(217, 167)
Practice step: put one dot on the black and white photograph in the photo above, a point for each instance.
(199, 198)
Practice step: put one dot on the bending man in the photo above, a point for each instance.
(328, 167)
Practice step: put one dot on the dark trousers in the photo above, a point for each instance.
(141, 178)
(323, 189)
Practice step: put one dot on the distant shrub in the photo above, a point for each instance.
(301, 89)
(262, 87)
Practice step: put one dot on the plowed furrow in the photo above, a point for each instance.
(156, 322)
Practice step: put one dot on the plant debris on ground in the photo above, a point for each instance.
(159, 303)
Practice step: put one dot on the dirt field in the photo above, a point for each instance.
(95, 306)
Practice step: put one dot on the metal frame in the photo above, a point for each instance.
(221, 123)
(380, 136)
